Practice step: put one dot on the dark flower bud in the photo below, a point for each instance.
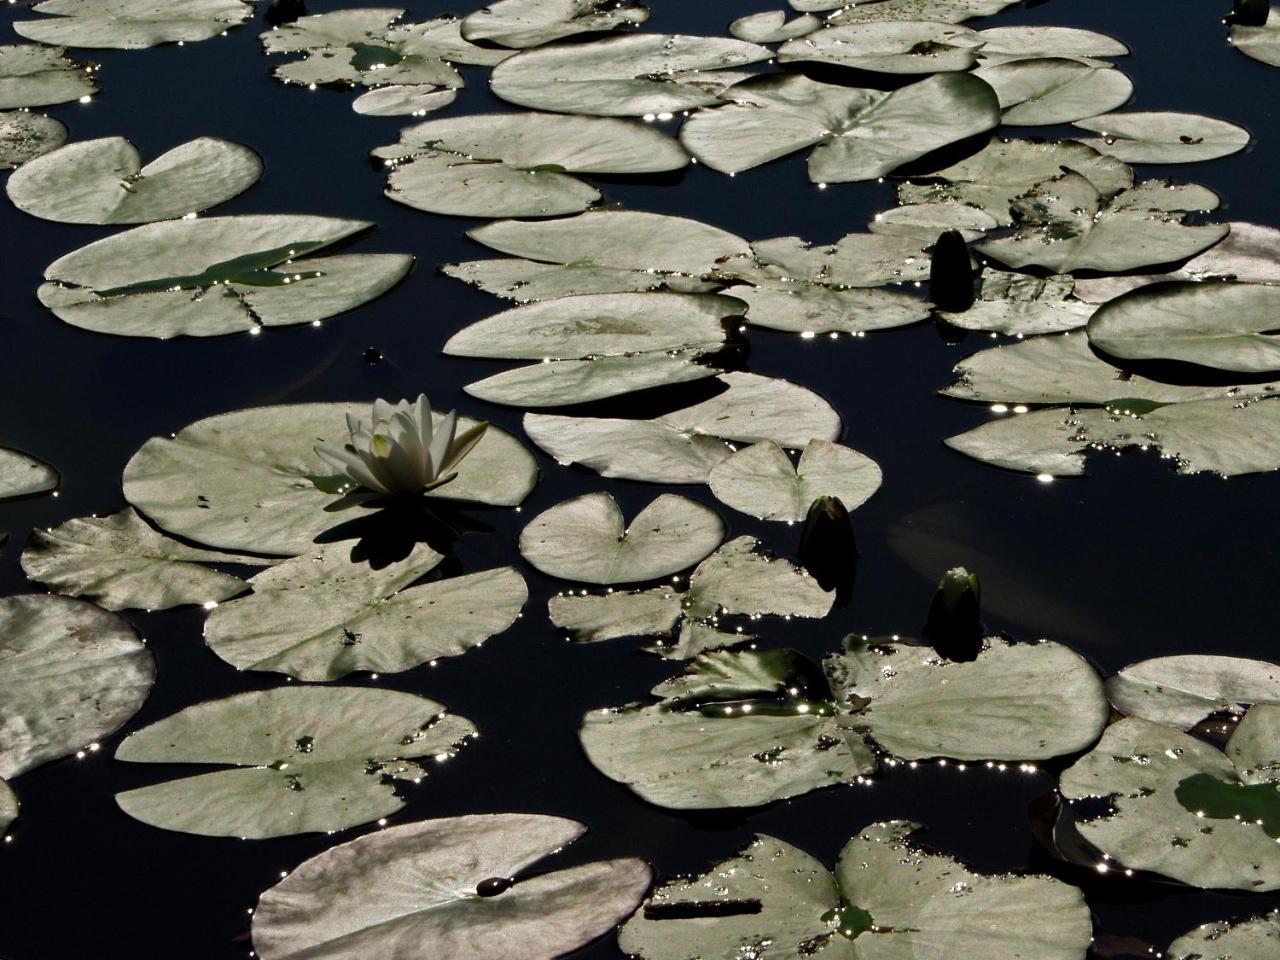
(493, 886)
(951, 273)
(954, 626)
(280, 12)
(828, 549)
(1249, 13)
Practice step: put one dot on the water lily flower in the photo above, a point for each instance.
(399, 452)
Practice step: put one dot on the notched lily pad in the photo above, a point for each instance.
(32, 75)
(1152, 137)
(760, 480)
(1041, 91)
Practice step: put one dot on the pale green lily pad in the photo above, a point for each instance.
(32, 75)
(1067, 225)
(925, 221)
(591, 618)
(1023, 42)
(855, 260)
(889, 46)
(587, 539)
(322, 615)
(1065, 370)
(857, 134)
(698, 636)
(244, 480)
(531, 23)
(217, 275)
(772, 26)
(683, 446)
(760, 480)
(8, 806)
(1230, 436)
(1004, 170)
(947, 11)
(1017, 304)
(369, 47)
(526, 281)
(519, 164)
(647, 73)
(104, 181)
(399, 100)
(25, 135)
(1174, 802)
(311, 913)
(1227, 326)
(1183, 690)
(697, 749)
(1256, 939)
(813, 308)
(70, 674)
(1164, 137)
(131, 24)
(300, 759)
(623, 239)
(598, 325)
(888, 895)
(121, 563)
(1016, 701)
(1261, 43)
(25, 476)
(1041, 91)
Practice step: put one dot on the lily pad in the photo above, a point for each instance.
(814, 308)
(855, 260)
(1023, 42)
(103, 181)
(1183, 690)
(760, 480)
(772, 26)
(300, 760)
(322, 615)
(947, 11)
(121, 563)
(485, 898)
(1260, 43)
(400, 100)
(531, 23)
(643, 613)
(217, 275)
(525, 281)
(1067, 225)
(8, 806)
(1004, 170)
(70, 674)
(24, 135)
(646, 73)
(887, 892)
(888, 46)
(1183, 809)
(587, 539)
(1041, 91)
(246, 480)
(925, 221)
(32, 75)
(131, 24)
(1018, 304)
(1256, 939)
(24, 476)
(1227, 326)
(1164, 137)
(857, 134)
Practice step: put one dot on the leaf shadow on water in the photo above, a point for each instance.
(389, 533)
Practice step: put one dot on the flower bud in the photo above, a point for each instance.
(954, 626)
(951, 273)
(281, 12)
(1249, 13)
(828, 549)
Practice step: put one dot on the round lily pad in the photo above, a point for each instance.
(24, 135)
(760, 480)
(1164, 137)
(888, 46)
(1045, 90)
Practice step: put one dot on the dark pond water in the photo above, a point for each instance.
(1129, 563)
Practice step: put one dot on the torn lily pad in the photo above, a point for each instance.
(1067, 224)
(531, 23)
(857, 134)
(121, 563)
(587, 539)
(1184, 809)
(369, 47)
(251, 480)
(1152, 137)
(323, 615)
(888, 893)
(1261, 43)
(488, 889)
(772, 26)
(1042, 91)
(70, 675)
(298, 759)
(24, 135)
(1226, 326)
(25, 476)
(632, 76)
(32, 75)
(1256, 939)
(399, 100)
(131, 24)
(217, 275)
(888, 46)
(589, 618)
(1017, 304)
(760, 480)
(1004, 170)
(1183, 690)
(1000, 44)
(104, 181)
